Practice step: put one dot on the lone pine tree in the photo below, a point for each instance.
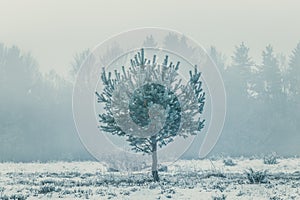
(149, 105)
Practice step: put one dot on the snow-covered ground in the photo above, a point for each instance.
(192, 179)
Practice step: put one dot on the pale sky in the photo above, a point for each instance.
(55, 30)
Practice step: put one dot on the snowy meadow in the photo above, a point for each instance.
(224, 178)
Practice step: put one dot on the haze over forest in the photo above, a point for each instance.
(255, 46)
(262, 113)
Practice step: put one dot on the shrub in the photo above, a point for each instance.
(275, 198)
(46, 189)
(112, 170)
(229, 162)
(163, 168)
(256, 177)
(222, 197)
(271, 159)
(18, 197)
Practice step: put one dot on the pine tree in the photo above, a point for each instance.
(149, 105)
(271, 78)
(294, 79)
(241, 56)
(179, 45)
(79, 58)
(294, 70)
(149, 42)
(245, 70)
(218, 58)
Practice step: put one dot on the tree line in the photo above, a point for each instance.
(263, 104)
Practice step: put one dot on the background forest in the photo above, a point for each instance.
(263, 104)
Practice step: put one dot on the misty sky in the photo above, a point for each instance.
(53, 31)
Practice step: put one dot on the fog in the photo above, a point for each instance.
(54, 31)
(42, 45)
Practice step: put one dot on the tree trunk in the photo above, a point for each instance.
(154, 160)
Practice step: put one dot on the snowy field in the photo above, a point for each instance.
(218, 179)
